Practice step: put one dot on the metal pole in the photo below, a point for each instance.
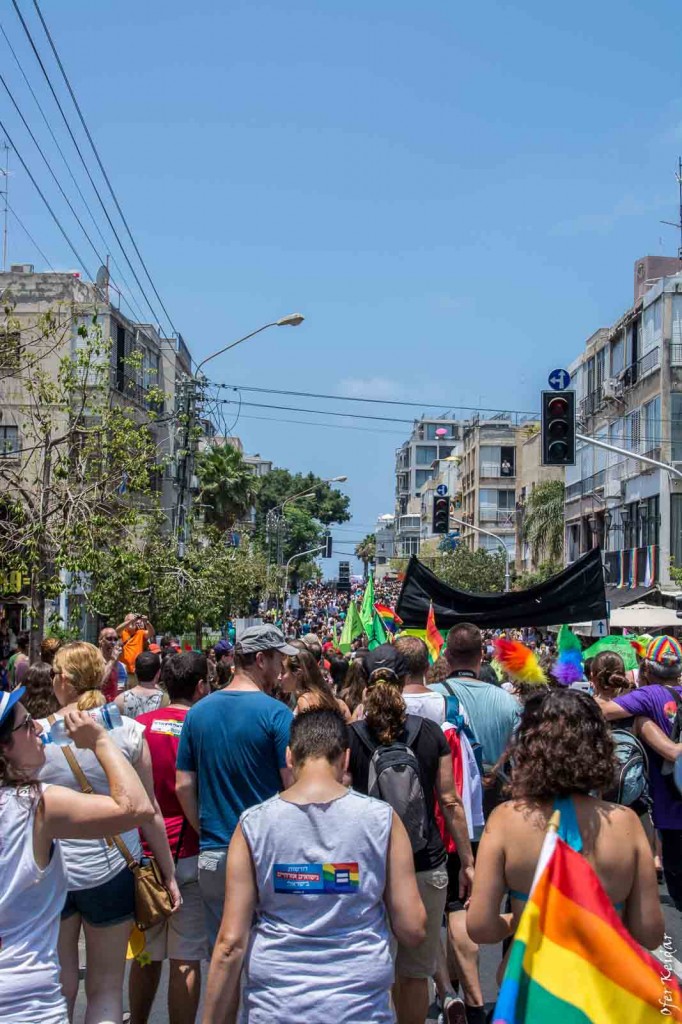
(630, 455)
(6, 193)
(478, 529)
(299, 555)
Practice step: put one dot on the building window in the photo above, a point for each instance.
(444, 451)
(632, 431)
(9, 441)
(421, 476)
(10, 349)
(617, 356)
(651, 427)
(497, 460)
(409, 546)
(601, 365)
(676, 425)
(426, 454)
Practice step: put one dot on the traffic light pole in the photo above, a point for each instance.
(487, 533)
(597, 443)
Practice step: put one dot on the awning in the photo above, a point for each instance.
(627, 596)
(643, 617)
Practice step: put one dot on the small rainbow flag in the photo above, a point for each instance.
(433, 640)
(572, 960)
(390, 619)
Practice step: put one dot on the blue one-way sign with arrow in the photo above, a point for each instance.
(559, 380)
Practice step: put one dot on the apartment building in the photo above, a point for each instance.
(431, 441)
(160, 362)
(489, 467)
(447, 476)
(384, 539)
(628, 383)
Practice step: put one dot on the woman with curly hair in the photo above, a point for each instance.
(561, 754)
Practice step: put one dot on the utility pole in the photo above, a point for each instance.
(5, 193)
(678, 224)
(186, 406)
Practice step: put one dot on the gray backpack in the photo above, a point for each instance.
(632, 774)
(395, 778)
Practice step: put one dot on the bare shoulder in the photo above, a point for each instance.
(618, 816)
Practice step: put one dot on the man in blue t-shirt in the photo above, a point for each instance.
(232, 756)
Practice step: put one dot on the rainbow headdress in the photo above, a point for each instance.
(568, 668)
(518, 662)
(573, 961)
(390, 619)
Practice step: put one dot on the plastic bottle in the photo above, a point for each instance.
(108, 716)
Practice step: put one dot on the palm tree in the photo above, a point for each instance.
(366, 551)
(543, 523)
(227, 486)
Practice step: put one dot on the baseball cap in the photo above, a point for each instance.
(664, 657)
(8, 700)
(385, 656)
(223, 647)
(264, 638)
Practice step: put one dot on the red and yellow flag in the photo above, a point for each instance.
(433, 639)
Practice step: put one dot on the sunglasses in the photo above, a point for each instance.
(26, 724)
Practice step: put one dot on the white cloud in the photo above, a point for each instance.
(370, 387)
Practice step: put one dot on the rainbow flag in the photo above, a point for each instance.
(390, 619)
(433, 639)
(572, 960)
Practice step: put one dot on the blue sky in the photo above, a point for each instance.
(453, 194)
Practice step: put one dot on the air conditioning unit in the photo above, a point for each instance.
(612, 489)
(612, 389)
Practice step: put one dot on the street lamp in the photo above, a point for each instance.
(292, 320)
(272, 517)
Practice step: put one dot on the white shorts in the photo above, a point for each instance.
(182, 936)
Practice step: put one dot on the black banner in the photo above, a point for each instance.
(574, 595)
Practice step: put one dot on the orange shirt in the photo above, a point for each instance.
(133, 644)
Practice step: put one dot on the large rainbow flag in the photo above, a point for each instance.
(572, 960)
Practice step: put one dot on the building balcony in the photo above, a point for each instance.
(642, 368)
(493, 470)
(490, 514)
(409, 524)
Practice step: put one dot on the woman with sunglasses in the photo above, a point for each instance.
(33, 818)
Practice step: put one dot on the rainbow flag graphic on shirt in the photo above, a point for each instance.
(433, 639)
(572, 960)
(390, 619)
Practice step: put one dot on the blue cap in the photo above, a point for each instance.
(8, 700)
(223, 647)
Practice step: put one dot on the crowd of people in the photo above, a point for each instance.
(337, 832)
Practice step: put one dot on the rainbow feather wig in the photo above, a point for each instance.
(519, 662)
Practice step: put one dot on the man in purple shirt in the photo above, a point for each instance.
(659, 681)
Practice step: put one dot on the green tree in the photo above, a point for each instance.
(227, 486)
(542, 573)
(543, 521)
(80, 484)
(366, 551)
(302, 521)
(478, 571)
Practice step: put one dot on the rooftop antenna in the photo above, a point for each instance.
(678, 224)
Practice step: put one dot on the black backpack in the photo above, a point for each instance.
(395, 777)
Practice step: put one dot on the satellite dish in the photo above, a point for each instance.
(102, 279)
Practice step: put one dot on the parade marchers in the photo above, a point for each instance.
(337, 832)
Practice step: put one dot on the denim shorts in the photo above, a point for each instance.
(111, 902)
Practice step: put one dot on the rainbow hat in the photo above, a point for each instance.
(664, 656)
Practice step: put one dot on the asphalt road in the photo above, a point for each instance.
(490, 958)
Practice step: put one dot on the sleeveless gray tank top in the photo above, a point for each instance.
(320, 948)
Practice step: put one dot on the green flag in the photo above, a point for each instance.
(377, 634)
(352, 627)
(367, 609)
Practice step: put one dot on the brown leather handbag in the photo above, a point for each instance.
(153, 900)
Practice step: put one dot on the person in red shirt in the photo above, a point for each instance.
(182, 937)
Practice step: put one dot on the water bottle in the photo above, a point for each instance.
(108, 716)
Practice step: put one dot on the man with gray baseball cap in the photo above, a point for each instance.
(232, 756)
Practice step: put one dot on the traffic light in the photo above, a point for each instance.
(558, 428)
(441, 515)
(327, 550)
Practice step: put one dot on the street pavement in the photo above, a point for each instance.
(490, 958)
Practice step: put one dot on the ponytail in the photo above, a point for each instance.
(90, 699)
(384, 707)
(607, 673)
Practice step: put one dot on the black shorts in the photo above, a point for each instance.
(111, 902)
(453, 902)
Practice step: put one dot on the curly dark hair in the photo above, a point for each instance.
(562, 746)
(385, 710)
(607, 674)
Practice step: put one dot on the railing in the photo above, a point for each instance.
(644, 366)
(586, 486)
(495, 469)
(592, 402)
(498, 516)
(676, 354)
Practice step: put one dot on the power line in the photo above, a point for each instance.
(82, 158)
(312, 423)
(54, 176)
(373, 401)
(29, 235)
(54, 216)
(101, 165)
(132, 306)
(316, 412)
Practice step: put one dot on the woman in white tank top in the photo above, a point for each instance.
(325, 870)
(33, 818)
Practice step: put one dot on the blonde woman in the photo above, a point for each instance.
(100, 897)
